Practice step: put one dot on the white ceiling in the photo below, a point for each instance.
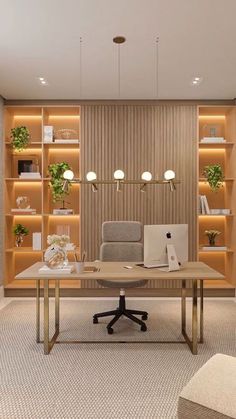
(42, 37)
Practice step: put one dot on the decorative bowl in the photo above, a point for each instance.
(66, 134)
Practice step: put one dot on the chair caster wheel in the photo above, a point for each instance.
(144, 328)
(95, 320)
(110, 331)
(144, 317)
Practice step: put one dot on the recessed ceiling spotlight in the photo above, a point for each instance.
(42, 81)
(196, 81)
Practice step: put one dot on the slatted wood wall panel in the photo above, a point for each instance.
(135, 139)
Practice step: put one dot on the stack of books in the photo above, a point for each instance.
(203, 205)
(65, 211)
(23, 211)
(220, 211)
(30, 175)
(214, 248)
(70, 141)
(209, 140)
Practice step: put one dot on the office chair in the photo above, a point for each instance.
(121, 243)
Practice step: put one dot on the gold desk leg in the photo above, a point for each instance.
(194, 319)
(46, 317)
(191, 343)
(201, 311)
(37, 310)
(57, 304)
(183, 306)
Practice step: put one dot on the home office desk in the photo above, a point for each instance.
(193, 271)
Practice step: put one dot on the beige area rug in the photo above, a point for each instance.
(123, 381)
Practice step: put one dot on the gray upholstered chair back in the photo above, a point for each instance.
(121, 241)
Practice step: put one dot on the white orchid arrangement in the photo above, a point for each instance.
(61, 241)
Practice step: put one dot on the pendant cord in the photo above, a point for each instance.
(157, 62)
(119, 70)
(80, 67)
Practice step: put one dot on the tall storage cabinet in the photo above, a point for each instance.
(219, 122)
(42, 154)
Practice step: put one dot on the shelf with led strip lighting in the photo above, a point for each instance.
(215, 215)
(65, 121)
(212, 145)
(228, 250)
(229, 179)
(219, 122)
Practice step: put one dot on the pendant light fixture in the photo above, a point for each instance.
(118, 40)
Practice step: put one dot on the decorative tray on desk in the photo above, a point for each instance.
(91, 269)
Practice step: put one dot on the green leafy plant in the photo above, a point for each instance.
(214, 175)
(212, 234)
(20, 138)
(19, 229)
(56, 171)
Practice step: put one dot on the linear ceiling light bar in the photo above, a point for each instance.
(119, 179)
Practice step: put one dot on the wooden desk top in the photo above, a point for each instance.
(116, 271)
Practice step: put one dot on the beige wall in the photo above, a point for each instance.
(134, 139)
(1, 189)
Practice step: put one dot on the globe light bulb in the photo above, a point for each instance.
(68, 175)
(147, 176)
(169, 175)
(91, 176)
(119, 174)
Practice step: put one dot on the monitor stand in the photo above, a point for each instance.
(173, 264)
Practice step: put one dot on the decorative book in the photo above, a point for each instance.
(65, 211)
(30, 175)
(203, 205)
(213, 140)
(23, 211)
(61, 271)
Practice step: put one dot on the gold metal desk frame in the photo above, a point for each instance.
(208, 273)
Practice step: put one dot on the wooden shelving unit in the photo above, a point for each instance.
(223, 121)
(38, 190)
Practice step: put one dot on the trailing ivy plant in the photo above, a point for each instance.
(20, 138)
(214, 176)
(56, 172)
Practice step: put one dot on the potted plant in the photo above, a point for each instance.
(212, 234)
(214, 175)
(20, 138)
(20, 231)
(56, 171)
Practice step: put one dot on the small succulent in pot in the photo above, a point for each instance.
(212, 234)
(20, 231)
(20, 138)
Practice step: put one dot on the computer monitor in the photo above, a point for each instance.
(156, 239)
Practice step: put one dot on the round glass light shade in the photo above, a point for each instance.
(169, 175)
(68, 175)
(119, 174)
(91, 176)
(146, 176)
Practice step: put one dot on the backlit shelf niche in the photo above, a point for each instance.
(38, 190)
(218, 121)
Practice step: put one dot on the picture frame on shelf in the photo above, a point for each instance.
(25, 163)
